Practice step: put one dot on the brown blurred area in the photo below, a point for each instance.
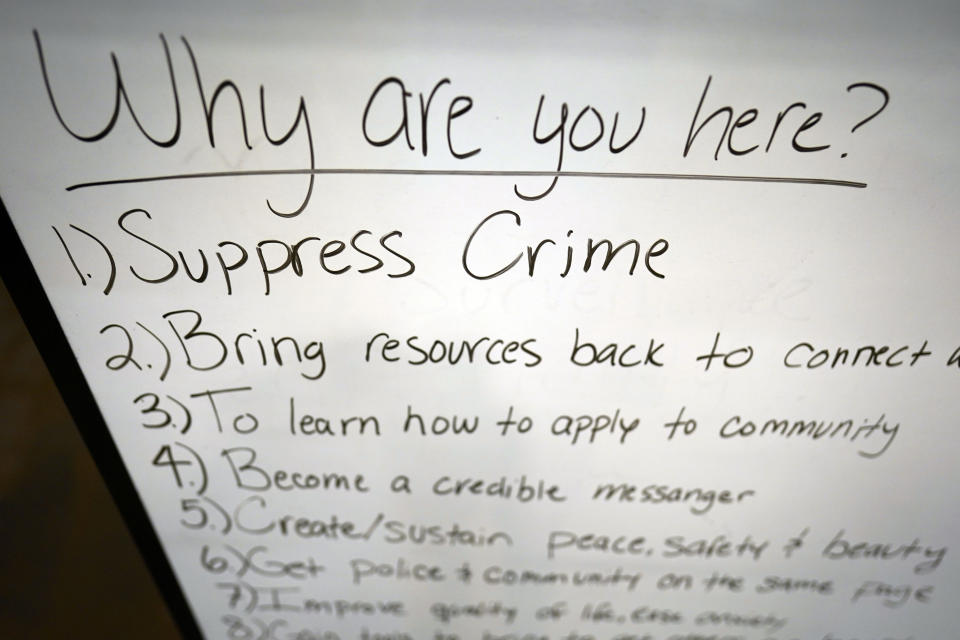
(68, 566)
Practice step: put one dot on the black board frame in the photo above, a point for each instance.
(41, 321)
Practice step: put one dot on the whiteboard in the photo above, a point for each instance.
(553, 321)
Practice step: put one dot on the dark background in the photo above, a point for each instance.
(68, 566)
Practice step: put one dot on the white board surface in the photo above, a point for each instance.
(405, 389)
